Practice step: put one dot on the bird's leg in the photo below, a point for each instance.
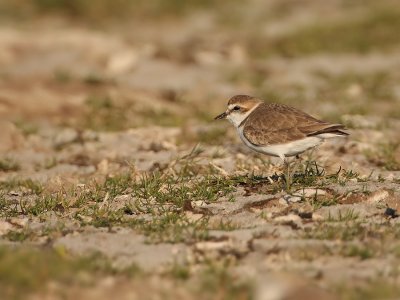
(288, 179)
(310, 163)
(290, 171)
(309, 157)
(296, 163)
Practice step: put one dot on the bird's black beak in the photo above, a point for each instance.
(221, 116)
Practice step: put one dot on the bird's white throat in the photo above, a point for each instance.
(236, 118)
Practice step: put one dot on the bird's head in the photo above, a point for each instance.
(239, 108)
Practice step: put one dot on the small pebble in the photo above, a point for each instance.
(391, 213)
(378, 196)
(306, 215)
(317, 217)
(287, 218)
(20, 222)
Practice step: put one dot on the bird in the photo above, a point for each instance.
(277, 129)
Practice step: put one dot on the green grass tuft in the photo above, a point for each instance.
(9, 165)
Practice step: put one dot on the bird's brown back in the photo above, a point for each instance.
(277, 124)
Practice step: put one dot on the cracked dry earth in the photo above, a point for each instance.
(114, 181)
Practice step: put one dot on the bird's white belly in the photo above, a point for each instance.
(284, 150)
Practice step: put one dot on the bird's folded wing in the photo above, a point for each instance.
(283, 124)
(314, 130)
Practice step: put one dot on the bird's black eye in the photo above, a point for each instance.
(236, 108)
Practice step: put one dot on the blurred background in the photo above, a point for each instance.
(112, 65)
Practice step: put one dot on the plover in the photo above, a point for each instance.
(276, 129)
